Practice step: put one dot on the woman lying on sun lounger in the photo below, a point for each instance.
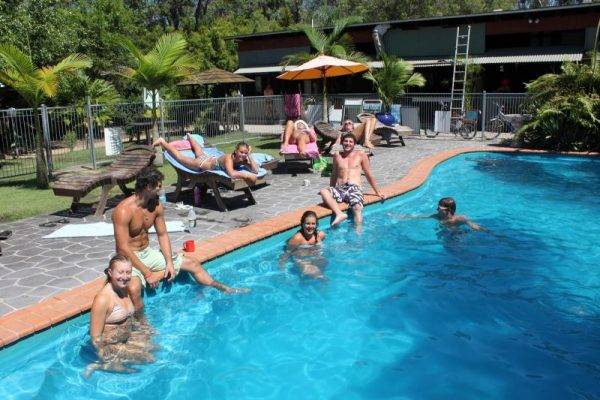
(297, 133)
(119, 337)
(227, 162)
(362, 131)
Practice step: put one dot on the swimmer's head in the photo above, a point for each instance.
(308, 223)
(118, 272)
(446, 207)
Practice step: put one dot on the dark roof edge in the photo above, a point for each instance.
(432, 19)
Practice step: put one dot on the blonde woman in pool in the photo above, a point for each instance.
(119, 337)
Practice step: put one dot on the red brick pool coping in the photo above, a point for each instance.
(71, 303)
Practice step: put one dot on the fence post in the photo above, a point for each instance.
(483, 113)
(161, 108)
(90, 119)
(46, 133)
(242, 113)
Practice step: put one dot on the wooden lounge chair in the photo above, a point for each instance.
(124, 169)
(215, 179)
(329, 136)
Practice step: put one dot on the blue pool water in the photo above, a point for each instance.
(408, 311)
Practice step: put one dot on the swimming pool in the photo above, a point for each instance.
(409, 310)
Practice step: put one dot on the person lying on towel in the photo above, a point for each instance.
(230, 163)
(297, 133)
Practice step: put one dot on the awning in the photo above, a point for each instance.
(444, 62)
(527, 58)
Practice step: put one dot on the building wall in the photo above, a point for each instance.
(267, 57)
(590, 37)
(431, 41)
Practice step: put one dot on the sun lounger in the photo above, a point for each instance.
(330, 135)
(124, 169)
(213, 179)
(385, 132)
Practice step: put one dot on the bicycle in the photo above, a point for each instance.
(509, 123)
(463, 126)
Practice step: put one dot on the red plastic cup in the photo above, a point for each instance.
(189, 246)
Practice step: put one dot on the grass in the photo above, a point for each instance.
(20, 198)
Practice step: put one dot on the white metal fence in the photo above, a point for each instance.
(75, 135)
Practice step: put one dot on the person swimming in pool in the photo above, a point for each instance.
(230, 163)
(446, 210)
(119, 335)
(304, 247)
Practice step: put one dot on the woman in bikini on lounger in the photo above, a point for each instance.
(298, 133)
(227, 162)
(119, 338)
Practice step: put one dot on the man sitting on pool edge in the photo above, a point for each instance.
(345, 181)
(132, 219)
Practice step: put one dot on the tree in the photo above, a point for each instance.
(565, 109)
(36, 85)
(166, 64)
(335, 44)
(392, 79)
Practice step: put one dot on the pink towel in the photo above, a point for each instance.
(181, 144)
(311, 149)
(292, 104)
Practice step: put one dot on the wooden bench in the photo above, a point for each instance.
(124, 169)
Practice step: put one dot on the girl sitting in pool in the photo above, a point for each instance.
(230, 163)
(304, 246)
(118, 337)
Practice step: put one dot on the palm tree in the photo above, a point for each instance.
(36, 85)
(393, 78)
(166, 64)
(335, 44)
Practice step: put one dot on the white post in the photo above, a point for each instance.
(483, 113)
(90, 119)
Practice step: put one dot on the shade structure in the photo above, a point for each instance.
(213, 76)
(323, 67)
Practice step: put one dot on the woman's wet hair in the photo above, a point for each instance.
(449, 203)
(307, 214)
(113, 262)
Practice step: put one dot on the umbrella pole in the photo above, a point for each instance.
(325, 108)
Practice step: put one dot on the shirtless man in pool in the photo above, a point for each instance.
(345, 182)
(132, 219)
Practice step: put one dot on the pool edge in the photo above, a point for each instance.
(22, 323)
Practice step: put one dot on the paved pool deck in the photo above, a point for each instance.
(44, 281)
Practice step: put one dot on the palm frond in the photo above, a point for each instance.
(15, 59)
(297, 59)
(339, 26)
(72, 63)
(317, 39)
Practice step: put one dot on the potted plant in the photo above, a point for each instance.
(390, 81)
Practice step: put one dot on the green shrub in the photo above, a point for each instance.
(70, 139)
(566, 110)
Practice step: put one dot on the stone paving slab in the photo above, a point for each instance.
(33, 269)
